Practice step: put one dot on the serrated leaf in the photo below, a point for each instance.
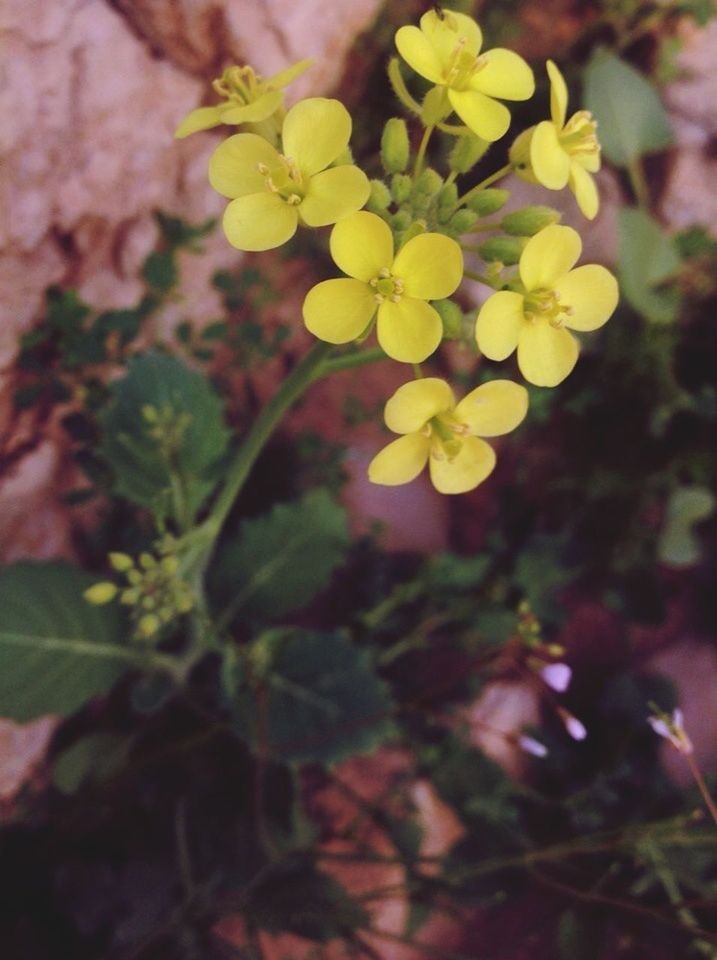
(678, 546)
(143, 474)
(56, 650)
(310, 697)
(648, 260)
(632, 120)
(282, 559)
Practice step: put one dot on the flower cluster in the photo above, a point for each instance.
(405, 255)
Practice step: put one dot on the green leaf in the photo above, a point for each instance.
(678, 546)
(648, 260)
(632, 120)
(160, 271)
(307, 697)
(147, 460)
(56, 650)
(282, 559)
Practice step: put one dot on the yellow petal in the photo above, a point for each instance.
(333, 194)
(493, 408)
(583, 186)
(445, 34)
(400, 462)
(550, 163)
(499, 323)
(260, 221)
(473, 464)
(233, 165)
(591, 291)
(409, 330)
(315, 132)
(558, 95)
(546, 354)
(284, 77)
(431, 266)
(339, 311)
(203, 118)
(590, 161)
(486, 117)
(505, 75)
(416, 49)
(362, 245)
(548, 256)
(413, 404)
(255, 112)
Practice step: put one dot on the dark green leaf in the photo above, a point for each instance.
(160, 271)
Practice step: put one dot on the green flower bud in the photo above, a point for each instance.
(395, 146)
(169, 565)
(529, 220)
(401, 220)
(436, 106)
(503, 249)
(452, 317)
(414, 229)
(184, 604)
(148, 625)
(130, 597)
(147, 561)
(462, 221)
(379, 198)
(401, 185)
(428, 183)
(488, 201)
(121, 562)
(466, 153)
(134, 577)
(100, 593)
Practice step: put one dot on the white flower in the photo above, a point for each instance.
(557, 676)
(672, 728)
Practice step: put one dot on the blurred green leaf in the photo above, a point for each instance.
(678, 545)
(98, 755)
(56, 650)
(632, 120)
(160, 271)
(648, 258)
(282, 559)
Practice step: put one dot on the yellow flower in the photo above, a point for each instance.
(553, 297)
(273, 192)
(447, 52)
(445, 434)
(428, 267)
(247, 98)
(556, 153)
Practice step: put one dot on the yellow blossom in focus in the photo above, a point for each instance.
(446, 51)
(247, 98)
(557, 153)
(553, 299)
(446, 435)
(272, 192)
(396, 287)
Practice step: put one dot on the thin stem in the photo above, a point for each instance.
(479, 278)
(349, 361)
(701, 785)
(420, 156)
(638, 183)
(503, 172)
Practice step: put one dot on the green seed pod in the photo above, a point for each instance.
(466, 153)
(395, 146)
(121, 562)
(452, 317)
(379, 198)
(502, 249)
(401, 185)
(488, 201)
(100, 593)
(529, 220)
(462, 221)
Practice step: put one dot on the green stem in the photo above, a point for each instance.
(638, 183)
(348, 361)
(503, 172)
(701, 785)
(420, 156)
(479, 278)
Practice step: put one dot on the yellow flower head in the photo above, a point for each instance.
(273, 192)
(556, 153)
(427, 267)
(445, 434)
(446, 51)
(247, 98)
(554, 297)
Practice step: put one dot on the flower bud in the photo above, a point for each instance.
(100, 593)
(466, 152)
(379, 198)
(529, 220)
(505, 250)
(452, 317)
(401, 185)
(436, 106)
(121, 562)
(401, 220)
(428, 184)
(488, 201)
(462, 221)
(448, 197)
(395, 147)
(148, 625)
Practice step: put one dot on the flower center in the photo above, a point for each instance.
(462, 66)
(446, 435)
(545, 304)
(387, 287)
(284, 178)
(238, 84)
(579, 136)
